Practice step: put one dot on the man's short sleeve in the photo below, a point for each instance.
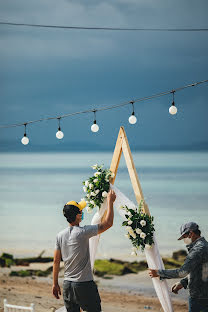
(57, 244)
(91, 230)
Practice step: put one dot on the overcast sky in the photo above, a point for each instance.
(46, 72)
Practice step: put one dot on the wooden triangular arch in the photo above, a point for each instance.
(122, 145)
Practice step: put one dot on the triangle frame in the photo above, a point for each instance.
(122, 146)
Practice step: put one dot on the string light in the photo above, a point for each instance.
(59, 133)
(94, 127)
(25, 139)
(173, 109)
(132, 118)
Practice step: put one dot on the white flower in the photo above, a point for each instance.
(127, 235)
(129, 228)
(97, 191)
(133, 253)
(134, 249)
(129, 214)
(132, 234)
(104, 194)
(95, 180)
(92, 202)
(95, 166)
(89, 210)
(82, 199)
(88, 195)
(90, 185)
(96, 174)
(86, 183)
(112, 175)
(130, 222)
(148, 246)
(92, 194)
(138, 231)
(84, 189)
(143, 222)
(143, 235)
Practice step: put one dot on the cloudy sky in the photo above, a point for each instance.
(47, 72)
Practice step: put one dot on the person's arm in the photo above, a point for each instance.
(192, 260)
(108, 219)
(56, 266)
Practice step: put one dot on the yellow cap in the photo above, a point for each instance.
(81, 205)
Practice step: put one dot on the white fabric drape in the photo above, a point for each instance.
(153, 257)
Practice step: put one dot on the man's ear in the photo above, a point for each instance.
(191, 233)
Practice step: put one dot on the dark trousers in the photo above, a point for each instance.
(81, 294)
(198, 305)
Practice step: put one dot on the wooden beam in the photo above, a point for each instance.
(122, 145)
(117, 154)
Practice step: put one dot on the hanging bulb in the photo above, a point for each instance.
(132, 118)
(25, 139)
(94, 127)
(59, 133)
(173, 109)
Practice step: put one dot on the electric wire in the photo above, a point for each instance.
(104, 28)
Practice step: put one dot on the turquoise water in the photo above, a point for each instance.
(34, 188)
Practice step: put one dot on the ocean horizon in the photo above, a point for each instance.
(35, 186)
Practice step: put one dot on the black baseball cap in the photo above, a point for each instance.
(185, 228)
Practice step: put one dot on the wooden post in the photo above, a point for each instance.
(122, 145)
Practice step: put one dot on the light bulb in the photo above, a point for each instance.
(25, 140)
(94, 128)
(132, 119)
(59, 134)
(173, 110)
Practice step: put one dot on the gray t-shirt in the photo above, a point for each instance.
(74, 245)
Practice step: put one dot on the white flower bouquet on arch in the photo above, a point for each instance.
(97, 187)
(140, 228)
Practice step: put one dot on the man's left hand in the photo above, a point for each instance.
(153, 273)
(56, 291)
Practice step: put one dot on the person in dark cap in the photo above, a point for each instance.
(72, 245)
(195, 265)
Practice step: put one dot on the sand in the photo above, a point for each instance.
(132, 292)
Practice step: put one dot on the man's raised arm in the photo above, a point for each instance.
(107, 222)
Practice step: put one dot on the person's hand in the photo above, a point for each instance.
(153, 273)
(176, 287)
(111, 196)
(56, 291)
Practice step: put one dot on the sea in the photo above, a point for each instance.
(35, 186)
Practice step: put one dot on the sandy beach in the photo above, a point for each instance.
(132, 291)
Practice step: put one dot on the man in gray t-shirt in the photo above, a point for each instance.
(72, 245)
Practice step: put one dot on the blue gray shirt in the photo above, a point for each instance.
(74, 245)
(196, 266)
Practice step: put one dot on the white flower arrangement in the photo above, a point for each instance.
(97, 187)
(140, 228)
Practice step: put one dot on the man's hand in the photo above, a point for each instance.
(56, 291)
(176, 287)
(153, 273)
(111, 196)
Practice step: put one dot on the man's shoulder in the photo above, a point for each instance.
(201, 244)
(63, 232)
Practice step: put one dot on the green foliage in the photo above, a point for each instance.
(6, 260)
(24, 273)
